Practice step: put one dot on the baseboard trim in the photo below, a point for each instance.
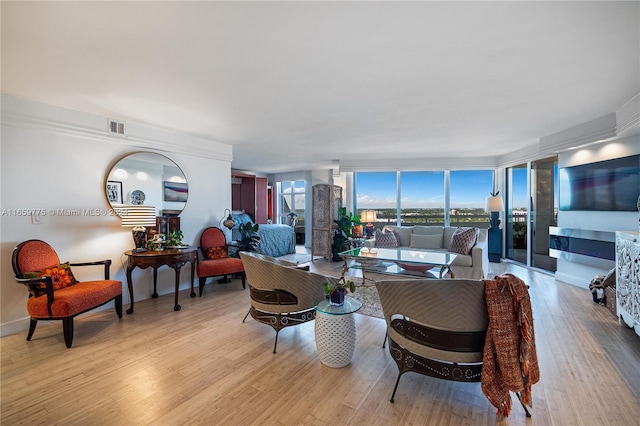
(572, 279)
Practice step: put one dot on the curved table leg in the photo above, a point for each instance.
(177, 307)
(130, 285)
(193, 271)
(155, 283)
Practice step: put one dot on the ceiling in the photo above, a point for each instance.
(299, 85)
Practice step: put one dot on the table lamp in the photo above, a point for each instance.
(229, 222)
(495, 205)
(367, 217)
(139, 217)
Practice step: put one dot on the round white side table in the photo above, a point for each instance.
(336, 332)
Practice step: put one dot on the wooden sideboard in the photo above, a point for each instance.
(628, 278)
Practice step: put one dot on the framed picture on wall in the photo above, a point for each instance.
(175, 191)
(114, 191)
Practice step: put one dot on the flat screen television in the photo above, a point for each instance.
(611, 185)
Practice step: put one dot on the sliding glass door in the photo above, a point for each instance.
(532, 207)
(544, 184)
(517, 206)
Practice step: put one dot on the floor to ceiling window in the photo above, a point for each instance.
(422, 198)
(451, 198)
(377, 191)
(468, 192)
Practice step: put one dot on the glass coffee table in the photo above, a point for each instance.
(413, 262)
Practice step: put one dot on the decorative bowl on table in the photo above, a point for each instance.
(415, 267)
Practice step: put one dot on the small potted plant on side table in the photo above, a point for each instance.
(336, 292)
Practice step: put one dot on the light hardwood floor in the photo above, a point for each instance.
(203, 365)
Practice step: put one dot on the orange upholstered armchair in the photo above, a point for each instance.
(54, 293)
(216, 261)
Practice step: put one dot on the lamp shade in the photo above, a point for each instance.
(141, 215)
(494, 204)
(368, 216)
(229, 222)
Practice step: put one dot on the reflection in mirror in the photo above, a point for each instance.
(150, 179)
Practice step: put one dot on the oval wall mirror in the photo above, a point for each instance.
(147, 179)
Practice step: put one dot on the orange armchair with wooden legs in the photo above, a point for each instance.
(216, 261)
(54, 293)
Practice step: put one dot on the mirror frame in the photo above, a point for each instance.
(123, 194)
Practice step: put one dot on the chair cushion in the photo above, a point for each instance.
(214, 252)
(216, 267)
(72, 300)
(385, 239)
(463, 240)
(61, 275)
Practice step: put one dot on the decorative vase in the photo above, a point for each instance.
(336, 298)
(139, 238)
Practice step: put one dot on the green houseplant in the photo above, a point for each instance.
(342, 232)
(336, 292)
(249, 237)
(174, 239)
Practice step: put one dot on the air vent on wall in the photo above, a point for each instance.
(116, 127)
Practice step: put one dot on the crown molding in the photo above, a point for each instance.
(592, 131)
(409, 164)
(26, 121)
(628, 117)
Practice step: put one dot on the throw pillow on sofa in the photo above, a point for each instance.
(463, 240)
(386, 239)
(426, 241)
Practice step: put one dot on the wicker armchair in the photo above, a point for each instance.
(54, 294)
(282, 295)
(437, 327)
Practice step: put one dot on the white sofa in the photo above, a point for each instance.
(475, 265)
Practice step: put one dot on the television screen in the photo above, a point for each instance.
(611, 185)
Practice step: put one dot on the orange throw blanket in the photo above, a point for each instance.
(510, 362)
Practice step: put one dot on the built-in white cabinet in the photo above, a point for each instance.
(628, 278)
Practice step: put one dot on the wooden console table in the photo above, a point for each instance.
(174, 258)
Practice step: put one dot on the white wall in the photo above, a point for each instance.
(576, 273)
(54, 158)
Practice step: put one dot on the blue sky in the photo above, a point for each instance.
(469, 189)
